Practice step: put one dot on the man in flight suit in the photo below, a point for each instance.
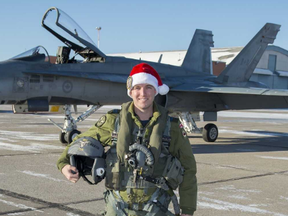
(138, 188)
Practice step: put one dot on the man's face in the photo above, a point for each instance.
(143, 96)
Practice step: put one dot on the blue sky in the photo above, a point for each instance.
(133, 26)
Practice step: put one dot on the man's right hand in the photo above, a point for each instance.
(71, 173)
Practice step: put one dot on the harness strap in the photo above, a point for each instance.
(116, 205)
(159, 182)
(175, 204)
(116, 130)
(166, 138)
(155, 205)
(168, 127)
(152, 207)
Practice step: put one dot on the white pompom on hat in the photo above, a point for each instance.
(145, 74)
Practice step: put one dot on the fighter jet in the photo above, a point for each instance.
(83, 75)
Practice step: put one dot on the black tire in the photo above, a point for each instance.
(62, 138)
(210, 133)
(71, 135)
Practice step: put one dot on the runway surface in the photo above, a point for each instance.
(244, 172)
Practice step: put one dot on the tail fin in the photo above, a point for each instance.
(242, 67)
(198, 56)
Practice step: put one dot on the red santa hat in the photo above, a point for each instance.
(145, 74)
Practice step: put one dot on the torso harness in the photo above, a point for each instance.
(138, 172)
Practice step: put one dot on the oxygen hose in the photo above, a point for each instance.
(145, 150)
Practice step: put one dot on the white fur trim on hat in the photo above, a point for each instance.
(164, 89)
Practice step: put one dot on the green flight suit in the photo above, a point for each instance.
(179, 147)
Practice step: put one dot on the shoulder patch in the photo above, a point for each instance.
(101, 121)
(114, 111)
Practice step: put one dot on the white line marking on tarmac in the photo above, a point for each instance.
(20, 213)
(233, 189)
(285, 198)
(71, 214)
(258, 205)
(238, 197)
(228, 206)
(243, 133)
(62, 117)
(7, 139)
(268, 134)
(257, 115)
(21, 206)
(46, 176)
(28, 135)
(34, 148)
(206, 193)
(273, 158)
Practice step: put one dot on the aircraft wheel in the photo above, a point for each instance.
(62, 138)
(71, 135)
(210, 133)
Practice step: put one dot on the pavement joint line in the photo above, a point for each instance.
(242, 178)
(226, 166)
(49, 205)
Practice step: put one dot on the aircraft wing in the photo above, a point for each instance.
(230, 90)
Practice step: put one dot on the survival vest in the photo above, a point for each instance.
(155, 136)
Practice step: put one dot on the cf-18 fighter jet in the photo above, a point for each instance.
(98, 79)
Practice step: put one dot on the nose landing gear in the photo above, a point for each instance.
(69, 130)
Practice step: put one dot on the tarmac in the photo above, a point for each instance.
(243, 173)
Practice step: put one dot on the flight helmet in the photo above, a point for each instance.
(87, 155)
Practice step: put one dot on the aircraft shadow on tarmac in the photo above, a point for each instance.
(275, 142)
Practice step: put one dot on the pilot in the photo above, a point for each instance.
(149, 155)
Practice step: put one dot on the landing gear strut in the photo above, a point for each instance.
(209, 132)
(69, 130)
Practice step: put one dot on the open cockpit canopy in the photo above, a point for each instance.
(69, 32)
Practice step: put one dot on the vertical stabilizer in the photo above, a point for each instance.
(242, 67)
(198, 56)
